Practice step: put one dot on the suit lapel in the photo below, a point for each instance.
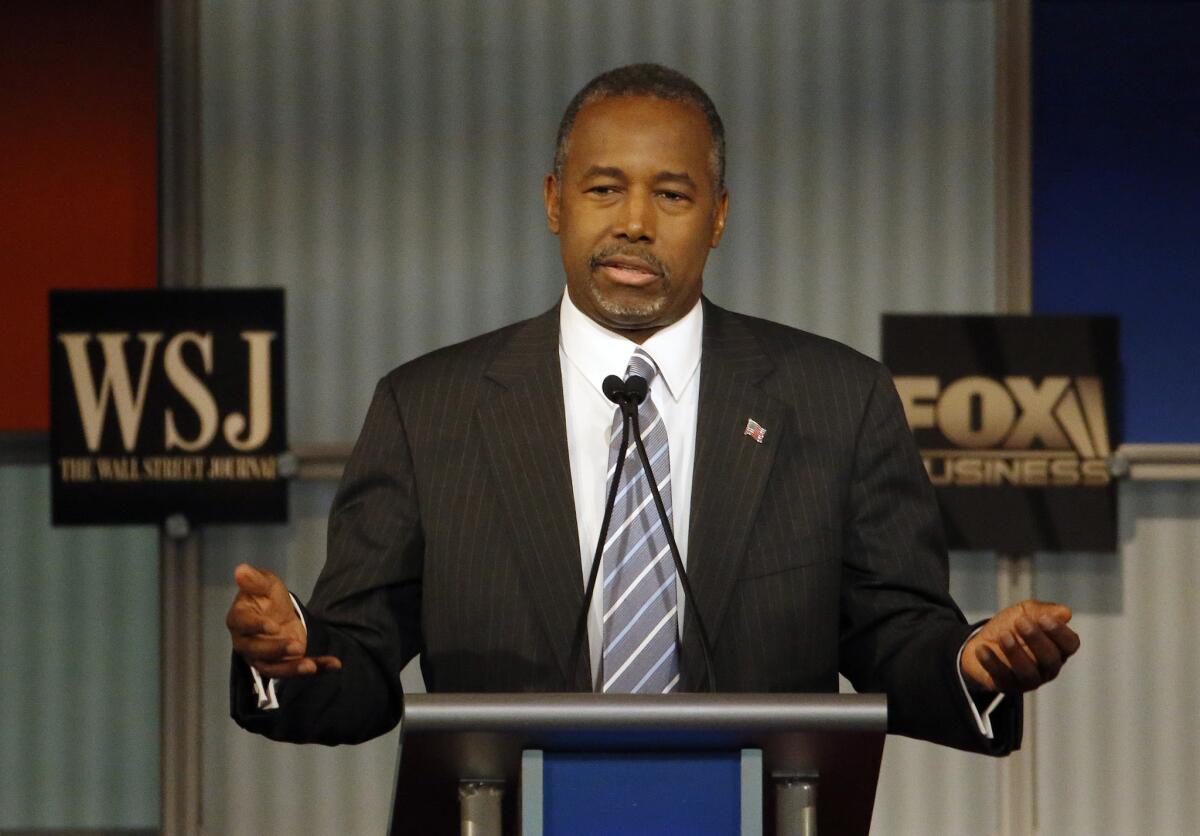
(729, 474)
(523, 427)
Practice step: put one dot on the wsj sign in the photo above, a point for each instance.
(167, 402)
(1014, 417)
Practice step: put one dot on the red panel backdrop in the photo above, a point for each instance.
(77, 172)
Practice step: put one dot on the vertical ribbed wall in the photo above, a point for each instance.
(1118, 748)
(382, 161)
(78, 666)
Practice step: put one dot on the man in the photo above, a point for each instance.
(469, 511)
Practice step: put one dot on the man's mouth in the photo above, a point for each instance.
(628, 270)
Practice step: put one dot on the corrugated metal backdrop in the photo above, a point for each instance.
(1118, 747)
(78, 666)
(382, 162)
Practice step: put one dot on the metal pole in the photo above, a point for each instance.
(1012, 178)
(179, 265)
(180, 681)
(1014, 294)
(1018, 774)
(795, 805)
(480, 808)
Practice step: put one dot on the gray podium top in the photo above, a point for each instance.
(449, 738)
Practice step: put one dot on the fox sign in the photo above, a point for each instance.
(167, 402)
(1016, 418)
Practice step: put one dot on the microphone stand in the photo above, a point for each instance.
(662, 513)
(581, 623)
(629, 395)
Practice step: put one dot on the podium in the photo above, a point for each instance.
(578, 763)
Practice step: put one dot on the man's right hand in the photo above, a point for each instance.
(266, 630)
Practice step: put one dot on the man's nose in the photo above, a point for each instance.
(636, 222)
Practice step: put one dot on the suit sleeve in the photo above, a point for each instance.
(365, 608)
(901, 631)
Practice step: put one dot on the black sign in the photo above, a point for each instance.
(167, 402)
(1014, 416)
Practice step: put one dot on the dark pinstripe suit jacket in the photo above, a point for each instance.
(453, 535)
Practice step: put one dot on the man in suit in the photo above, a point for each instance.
(468, 514)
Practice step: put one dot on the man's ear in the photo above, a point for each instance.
(719, 214)
(551, 195)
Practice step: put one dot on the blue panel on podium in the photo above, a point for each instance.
(604, 794)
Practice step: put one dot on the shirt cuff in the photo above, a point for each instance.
(267, 701)
(983, 721)
(265, 690)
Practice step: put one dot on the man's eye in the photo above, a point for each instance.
(674, 197)
(601, 190)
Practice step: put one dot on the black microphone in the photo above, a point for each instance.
(629, 394)
(625, 393)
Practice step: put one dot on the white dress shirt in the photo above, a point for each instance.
(588, 353)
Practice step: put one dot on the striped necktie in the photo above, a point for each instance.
(641, 653)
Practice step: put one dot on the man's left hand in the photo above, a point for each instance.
(1020, 648)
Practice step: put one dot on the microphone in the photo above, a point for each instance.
(625, 393)
(629, 394)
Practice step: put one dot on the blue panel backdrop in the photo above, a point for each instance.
(1116, 192)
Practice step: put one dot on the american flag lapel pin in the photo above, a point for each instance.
(755, 430)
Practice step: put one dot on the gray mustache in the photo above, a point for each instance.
(632, 252)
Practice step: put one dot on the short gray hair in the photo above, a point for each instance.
(652, 80)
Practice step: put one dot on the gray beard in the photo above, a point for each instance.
(634, 313)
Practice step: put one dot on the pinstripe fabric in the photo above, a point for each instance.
(454, 534)
(640, 653)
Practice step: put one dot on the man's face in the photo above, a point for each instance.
(636, 212)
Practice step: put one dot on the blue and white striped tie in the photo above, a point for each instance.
(640, 636)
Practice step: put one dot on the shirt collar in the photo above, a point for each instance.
(598, 352)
